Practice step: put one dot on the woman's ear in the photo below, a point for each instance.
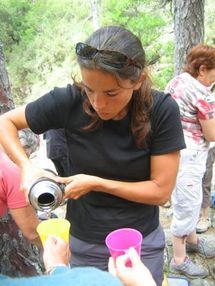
(202, 70)
(140, 81)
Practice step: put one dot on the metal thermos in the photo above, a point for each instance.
(45, 194)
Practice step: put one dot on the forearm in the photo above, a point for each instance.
(27, 222)
(155, 191)
(149, 192)
(10, 141)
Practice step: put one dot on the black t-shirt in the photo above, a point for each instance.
(109, 152)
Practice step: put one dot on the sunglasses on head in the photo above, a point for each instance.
(110, 58)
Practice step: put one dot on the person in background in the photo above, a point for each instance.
(56, 260)
(13, 200)
(57, 150)
(204, 222)
(18, 255)
(192, 92)
(29, 141)
(124, 140)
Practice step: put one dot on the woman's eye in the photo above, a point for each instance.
(112, 94)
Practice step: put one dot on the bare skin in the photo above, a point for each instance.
(27, 222)
(136, 275)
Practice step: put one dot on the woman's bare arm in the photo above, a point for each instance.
(10, 123)
(155, 191)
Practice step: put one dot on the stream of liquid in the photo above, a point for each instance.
(48, 214)
(44, 214)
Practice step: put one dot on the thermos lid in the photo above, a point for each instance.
(45, 194)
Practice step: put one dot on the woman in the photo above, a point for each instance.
(123, 139)
(191, 90)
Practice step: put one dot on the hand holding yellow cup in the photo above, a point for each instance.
(55, 226)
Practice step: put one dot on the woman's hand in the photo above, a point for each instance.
(136, 275)
(56, 253)
(78, 185)
(30, 173)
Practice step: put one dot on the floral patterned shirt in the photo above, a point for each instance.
(195, 101)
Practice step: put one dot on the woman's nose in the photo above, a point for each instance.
(99, 101)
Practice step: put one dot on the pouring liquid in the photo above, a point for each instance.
(44, 214)
(48, 214)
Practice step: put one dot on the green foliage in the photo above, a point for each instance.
(12, 20)
(39, 38)
(162, 71)
(136, 16)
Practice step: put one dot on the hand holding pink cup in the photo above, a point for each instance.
(119, 241)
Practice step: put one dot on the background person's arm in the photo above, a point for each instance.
(27, 222)
(208, 129)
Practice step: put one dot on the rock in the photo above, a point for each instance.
(209, 263)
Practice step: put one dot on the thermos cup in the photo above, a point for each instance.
(45, 194)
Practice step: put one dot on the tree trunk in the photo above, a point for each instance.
(94, 9)
(17, 256)
(188, 29)
(6, 101)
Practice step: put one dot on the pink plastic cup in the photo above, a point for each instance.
(119, 241)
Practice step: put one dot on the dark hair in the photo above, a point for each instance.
(200, 55)
(115, 38)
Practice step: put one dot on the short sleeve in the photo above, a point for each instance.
(167, 132)
(52, 110)
(10, 187)
(206, 109)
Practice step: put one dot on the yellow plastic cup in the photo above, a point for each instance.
(165, 281)
(56, 226)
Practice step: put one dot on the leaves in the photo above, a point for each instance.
(39, 38)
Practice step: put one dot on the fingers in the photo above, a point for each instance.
(63, 180)
(50, 241)
(134, 256)
(121, 261)
(111, 266)
(53, 240)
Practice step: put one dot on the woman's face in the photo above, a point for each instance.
(206, 77)
(108, 99)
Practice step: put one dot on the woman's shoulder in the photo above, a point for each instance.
(162, 99)
(71, 92)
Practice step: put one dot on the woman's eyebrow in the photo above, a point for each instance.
(86, 86)
(106, 91)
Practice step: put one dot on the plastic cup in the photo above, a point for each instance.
(56, 226)
(119, 241)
